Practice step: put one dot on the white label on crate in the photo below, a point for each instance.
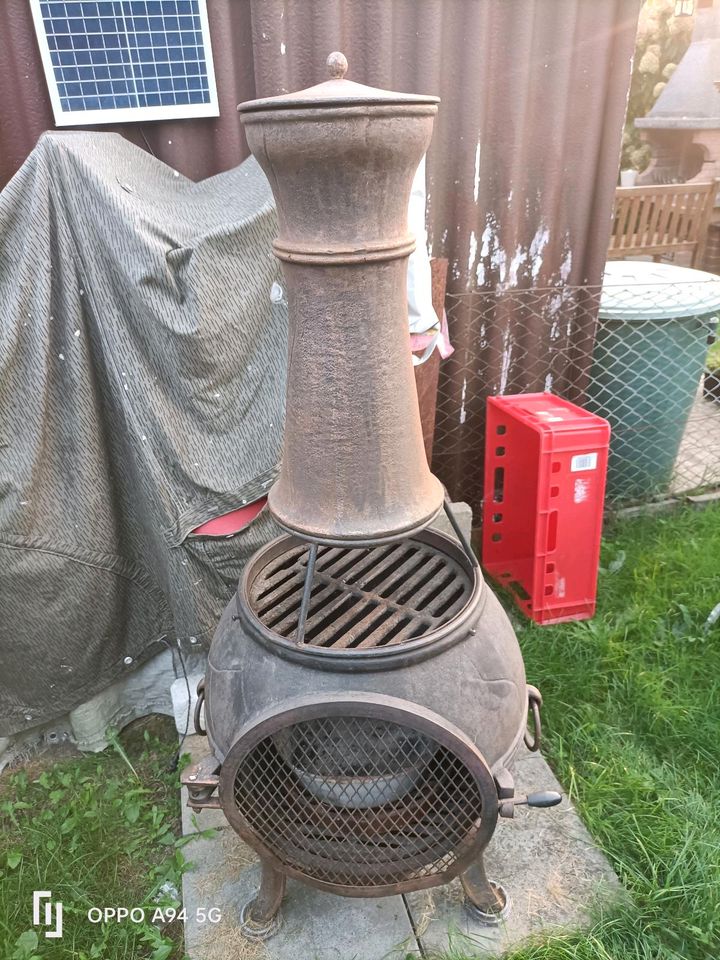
(582, 490)
(583, 461)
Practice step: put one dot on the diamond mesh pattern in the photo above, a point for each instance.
(358, 801)
(646, 377)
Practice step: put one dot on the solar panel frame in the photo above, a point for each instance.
(102, 65)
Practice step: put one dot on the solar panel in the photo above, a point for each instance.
(116, 60)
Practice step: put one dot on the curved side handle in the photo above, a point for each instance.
(533, 740)
(199, 730)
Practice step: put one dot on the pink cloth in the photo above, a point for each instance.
(421, 341)
(230, 523)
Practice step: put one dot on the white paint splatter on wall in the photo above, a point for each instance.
(487, 236)
(538, 244)
(510, 267)
(566, 266)
(473, 251)
(519, 258)
(476, 186)
(499, 261)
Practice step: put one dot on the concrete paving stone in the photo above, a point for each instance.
(225, 875)
(698, 460)
(703, 499)
(649, 509)
(547, 862)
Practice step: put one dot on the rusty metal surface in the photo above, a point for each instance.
(488, 900)
(199, 703)
(259, 919)
(267, 605)
(201, 780)
(360, 797)
(533, 739)
(523, 166)
(340, 158)
(431, 669)
(362, 598)
(524, 160)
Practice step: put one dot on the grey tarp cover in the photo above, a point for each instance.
(142, 370)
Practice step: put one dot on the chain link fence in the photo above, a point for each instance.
(647, 365)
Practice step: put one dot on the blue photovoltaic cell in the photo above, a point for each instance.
(112, 54)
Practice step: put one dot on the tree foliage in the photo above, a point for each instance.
(662, 39)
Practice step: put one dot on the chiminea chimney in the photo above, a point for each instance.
(340, 158)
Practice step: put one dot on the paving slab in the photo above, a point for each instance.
(548, 864)
(462, 513)
(705, 499)
(224, 874)
(698, 460)
(545, 859)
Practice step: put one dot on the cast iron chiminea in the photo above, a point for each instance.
(365, 693)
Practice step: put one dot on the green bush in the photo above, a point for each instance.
(662, 39)
(713, 357)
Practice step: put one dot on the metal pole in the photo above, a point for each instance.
(307, 589)
(459, 533)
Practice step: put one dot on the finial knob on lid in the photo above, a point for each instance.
(337, 65)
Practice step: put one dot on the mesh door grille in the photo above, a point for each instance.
(358, 801)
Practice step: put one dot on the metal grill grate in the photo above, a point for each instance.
(358, 801)
(362, 598)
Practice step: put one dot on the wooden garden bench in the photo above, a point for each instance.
(657, 220)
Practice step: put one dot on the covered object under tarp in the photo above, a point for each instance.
(142, 371)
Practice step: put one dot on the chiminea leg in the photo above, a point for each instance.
(486, 900)
(260, 917)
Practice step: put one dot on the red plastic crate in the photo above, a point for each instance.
(545, 467)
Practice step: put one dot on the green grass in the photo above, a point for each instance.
(632, 728)
(98, 830)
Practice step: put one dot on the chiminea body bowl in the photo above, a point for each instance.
(469, 671)
(365, 771)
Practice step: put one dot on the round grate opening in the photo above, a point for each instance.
(359, 801)
(361, 597)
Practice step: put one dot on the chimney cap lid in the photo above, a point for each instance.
(337, 92)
